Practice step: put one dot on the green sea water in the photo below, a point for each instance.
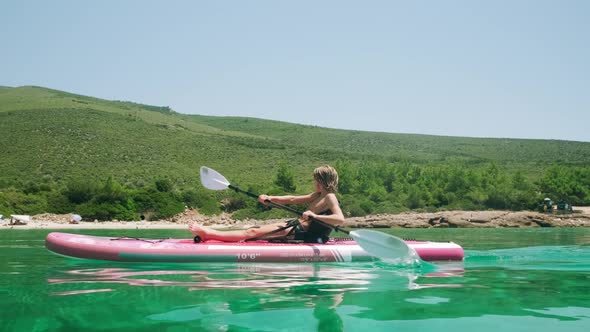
(511, 280)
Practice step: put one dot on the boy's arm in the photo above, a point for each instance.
(289, 199)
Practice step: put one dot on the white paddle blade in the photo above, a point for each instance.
(387, 247)
(210, 179)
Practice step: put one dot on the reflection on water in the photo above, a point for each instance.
(83, 291)
(327, 278)
(243, 295)
(521, 284)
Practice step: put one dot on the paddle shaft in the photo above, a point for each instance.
(288, 208)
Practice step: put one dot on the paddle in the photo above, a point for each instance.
(384, 246)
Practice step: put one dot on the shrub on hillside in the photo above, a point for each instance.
(58, 202)
(160, 204)
(17, 202)
(285, 178)
(80, 191)
(107, 211)
(164, 185)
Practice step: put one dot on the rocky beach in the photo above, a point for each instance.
(442, 219)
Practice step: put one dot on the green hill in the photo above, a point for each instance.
(55, 138)
(416, 148)
(60, 135)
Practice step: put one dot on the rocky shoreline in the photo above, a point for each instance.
(442, 219)
(472, 219)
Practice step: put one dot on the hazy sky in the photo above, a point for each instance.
(494, 68)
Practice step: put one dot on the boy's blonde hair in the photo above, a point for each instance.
(328, 177)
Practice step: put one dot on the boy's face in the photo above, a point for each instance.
(318, 186)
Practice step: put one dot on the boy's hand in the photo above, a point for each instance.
(263, 199)
(308, 214)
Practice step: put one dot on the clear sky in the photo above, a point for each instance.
(497, 68)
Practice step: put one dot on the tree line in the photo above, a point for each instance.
(365, 188)
(385, 187)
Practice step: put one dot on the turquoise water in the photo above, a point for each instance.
(511, 280)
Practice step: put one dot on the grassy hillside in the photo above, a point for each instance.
(417, 148)
(60, 135)
(56, 137)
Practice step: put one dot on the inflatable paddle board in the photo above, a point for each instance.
(126, 249)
